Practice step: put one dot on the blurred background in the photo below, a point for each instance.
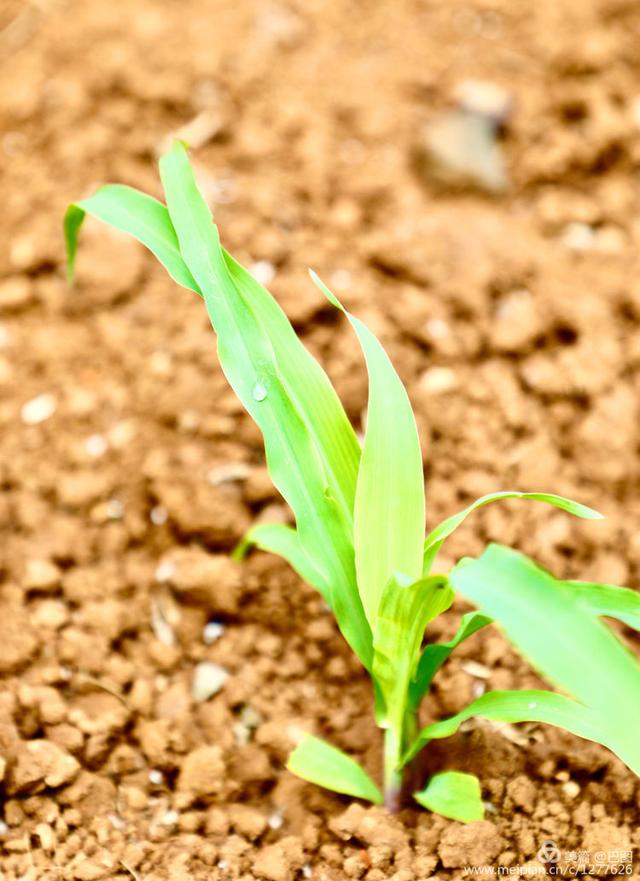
(465, 175)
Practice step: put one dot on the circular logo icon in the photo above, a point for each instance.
(549, 852)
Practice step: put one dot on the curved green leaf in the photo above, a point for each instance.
(137, 214)
(562, 638)
(312, 450)
(436, 653)
(272, 386)
(389, 506)
(454, 795)
(516, 706)
(283, 540)
(318, 762)
(437, 536)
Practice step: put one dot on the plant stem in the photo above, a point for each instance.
(392, 775)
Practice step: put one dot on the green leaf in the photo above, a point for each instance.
(312, 450)
(562, 638)
(405, 610)
(287, 394)
(389, 507)
(434, 655)
(318, 762)
(436, 537)
(283, 540)
(532, 705)
(454, 795)
(137, 214)
(608, 601)
(310, 389)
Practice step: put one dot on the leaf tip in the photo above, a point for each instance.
(331, 297)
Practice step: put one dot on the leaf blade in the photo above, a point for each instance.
(283, 540)
(135, 213)
(389, 511)
(319, 762)
(454, 795)
(530, 705)
(561, 638)
(296, 462)
(405, 611)
(442, 531)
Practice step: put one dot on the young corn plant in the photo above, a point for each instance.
(359, 535)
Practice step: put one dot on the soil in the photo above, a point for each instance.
(128, 470)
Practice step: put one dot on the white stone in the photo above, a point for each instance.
(96, 445)
(208, 680)
(263, 271)
(38, 409)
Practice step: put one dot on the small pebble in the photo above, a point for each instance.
(341, 280)
(579, 237)
(571, 789)
(485, 99)
(437, 380)
(473, 668)
(460, 149)
(122, 433)
(160, 363)
(230, 473)
(156, 778)
(263, 271)
(212, 631)
(95, 446)
(38, 409)
(204, 127)
(114, 509)
(159, 515)
(437, 328)
(208, 679)
(165, 571)
(275, 821)
(162, 629)
(170, 818)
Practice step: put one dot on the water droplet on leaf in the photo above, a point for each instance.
(259, 392)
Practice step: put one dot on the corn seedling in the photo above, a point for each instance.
(359, 537)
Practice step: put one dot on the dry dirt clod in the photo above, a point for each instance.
(204, 127)
(281, 861)
(247, 821)
(41, 575)
(39, 764)
(372, 826)
(476, 844)
(17, 637)
(16, 293)
(202, 772)
(212, 580)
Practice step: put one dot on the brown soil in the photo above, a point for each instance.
(512, 319)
